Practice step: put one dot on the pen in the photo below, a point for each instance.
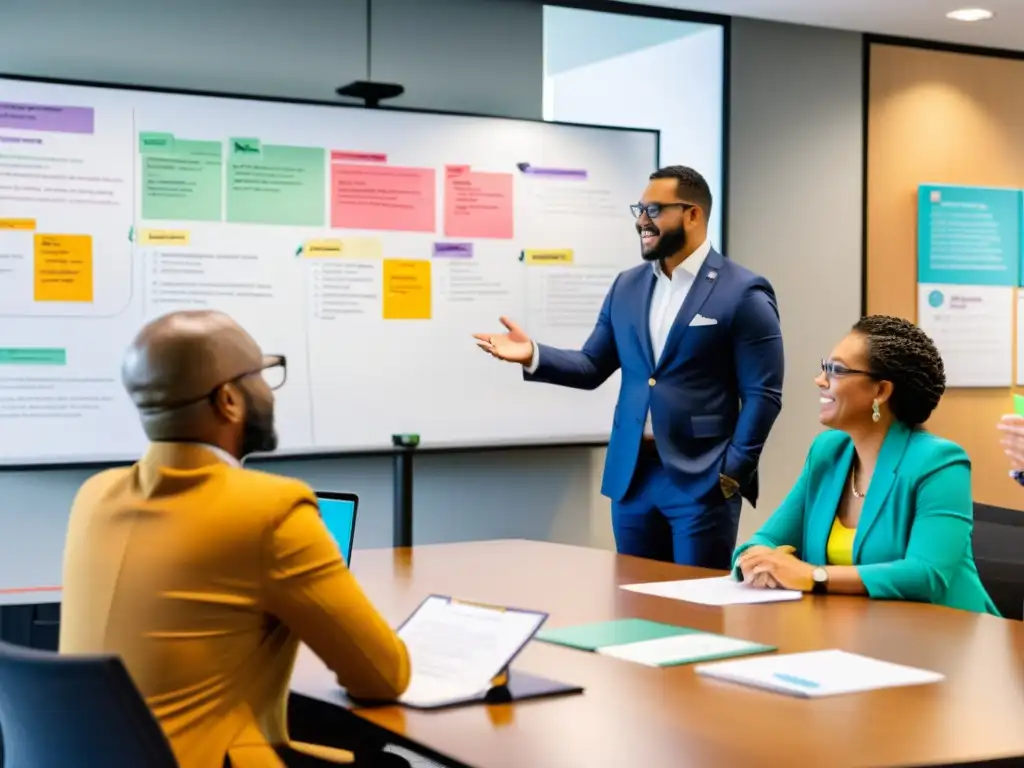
(794, 680)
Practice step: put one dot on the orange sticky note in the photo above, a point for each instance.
(406, 289)
(477, 204)
(26, 225)
(63, 268)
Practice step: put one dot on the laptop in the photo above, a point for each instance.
(338, 511)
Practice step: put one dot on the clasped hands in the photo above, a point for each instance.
(768, 568)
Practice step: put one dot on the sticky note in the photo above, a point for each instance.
(1018, 405)
(477, 204)
(384, 197)
(63, 268)
(341, 156)
(453, 250)
(365, 248)
(553, 173)
(164, 237)
(406, 289)
(33, 356)
(25, 225)
(47, 117)
(275, 184)
(182, 180)
(538, 256)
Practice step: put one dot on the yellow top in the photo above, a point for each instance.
(839, 548)
(205, 578)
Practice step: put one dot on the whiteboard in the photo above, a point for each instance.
(364, 245)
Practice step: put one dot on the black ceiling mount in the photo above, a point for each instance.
(371, 93)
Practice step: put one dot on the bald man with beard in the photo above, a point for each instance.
(204, 576)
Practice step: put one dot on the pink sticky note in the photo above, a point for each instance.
(383, 197)
(477, 204)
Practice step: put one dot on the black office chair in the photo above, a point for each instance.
(58, 711)
(999, 554)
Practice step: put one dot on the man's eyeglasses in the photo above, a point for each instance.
(653, 210)
(274, 371)
(833, 369)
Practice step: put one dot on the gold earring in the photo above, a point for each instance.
(876, 414)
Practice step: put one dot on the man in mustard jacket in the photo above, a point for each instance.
(203, 576)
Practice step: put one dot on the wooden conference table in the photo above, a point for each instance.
(631, 715)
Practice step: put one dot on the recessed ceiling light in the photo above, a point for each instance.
(970, 14)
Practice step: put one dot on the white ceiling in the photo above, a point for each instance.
(903, 18)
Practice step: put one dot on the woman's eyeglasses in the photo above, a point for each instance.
(833, 369)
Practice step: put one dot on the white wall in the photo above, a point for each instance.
(675, 86)
(795, 186)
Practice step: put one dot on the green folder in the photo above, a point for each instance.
(590, 637)
(1018, 404)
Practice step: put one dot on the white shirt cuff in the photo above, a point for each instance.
(532, 367)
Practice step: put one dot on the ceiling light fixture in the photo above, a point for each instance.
(970, 14)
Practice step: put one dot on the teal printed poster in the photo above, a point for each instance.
(969, 235)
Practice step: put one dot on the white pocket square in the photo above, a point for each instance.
(699, 319)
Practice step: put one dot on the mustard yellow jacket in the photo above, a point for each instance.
(205, 577)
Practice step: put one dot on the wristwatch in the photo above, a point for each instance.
(820, 578)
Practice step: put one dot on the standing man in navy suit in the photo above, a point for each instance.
(698, 340)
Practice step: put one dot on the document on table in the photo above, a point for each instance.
(720, 590)
(456, 648)
(817, 673)
(683, 649)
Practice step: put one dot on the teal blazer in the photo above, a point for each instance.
(913, 540)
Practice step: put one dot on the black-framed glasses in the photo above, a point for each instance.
(833, 369)
(274, 371)
(653, 210)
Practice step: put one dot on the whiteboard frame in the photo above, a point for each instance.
(323, 455)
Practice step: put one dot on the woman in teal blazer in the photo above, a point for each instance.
(882, 507)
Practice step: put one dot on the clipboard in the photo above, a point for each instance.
(506, 685)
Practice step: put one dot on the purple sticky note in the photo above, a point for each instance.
(453, 250)
(44, 117)
(559, 173)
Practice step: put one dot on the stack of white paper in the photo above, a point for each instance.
(722, 590)
(817, 673)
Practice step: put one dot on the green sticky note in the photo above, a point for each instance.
(272, 184)
(33, 356)
(181, 179)
(590, 637)
(1018, 405)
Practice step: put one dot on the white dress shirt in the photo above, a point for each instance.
(219, 452)
(669, 293)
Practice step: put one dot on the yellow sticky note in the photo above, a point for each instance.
(362, 248)
(318, 248)
(367, 248)
(548, 256)
(164, 237)
(63, 268)
(406, 289)
(26, 225)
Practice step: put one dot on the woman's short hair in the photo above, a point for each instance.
(900, 352)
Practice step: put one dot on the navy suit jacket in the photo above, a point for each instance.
(714, 394)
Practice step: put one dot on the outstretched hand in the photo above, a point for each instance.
(1012, 427)
(514, 346)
